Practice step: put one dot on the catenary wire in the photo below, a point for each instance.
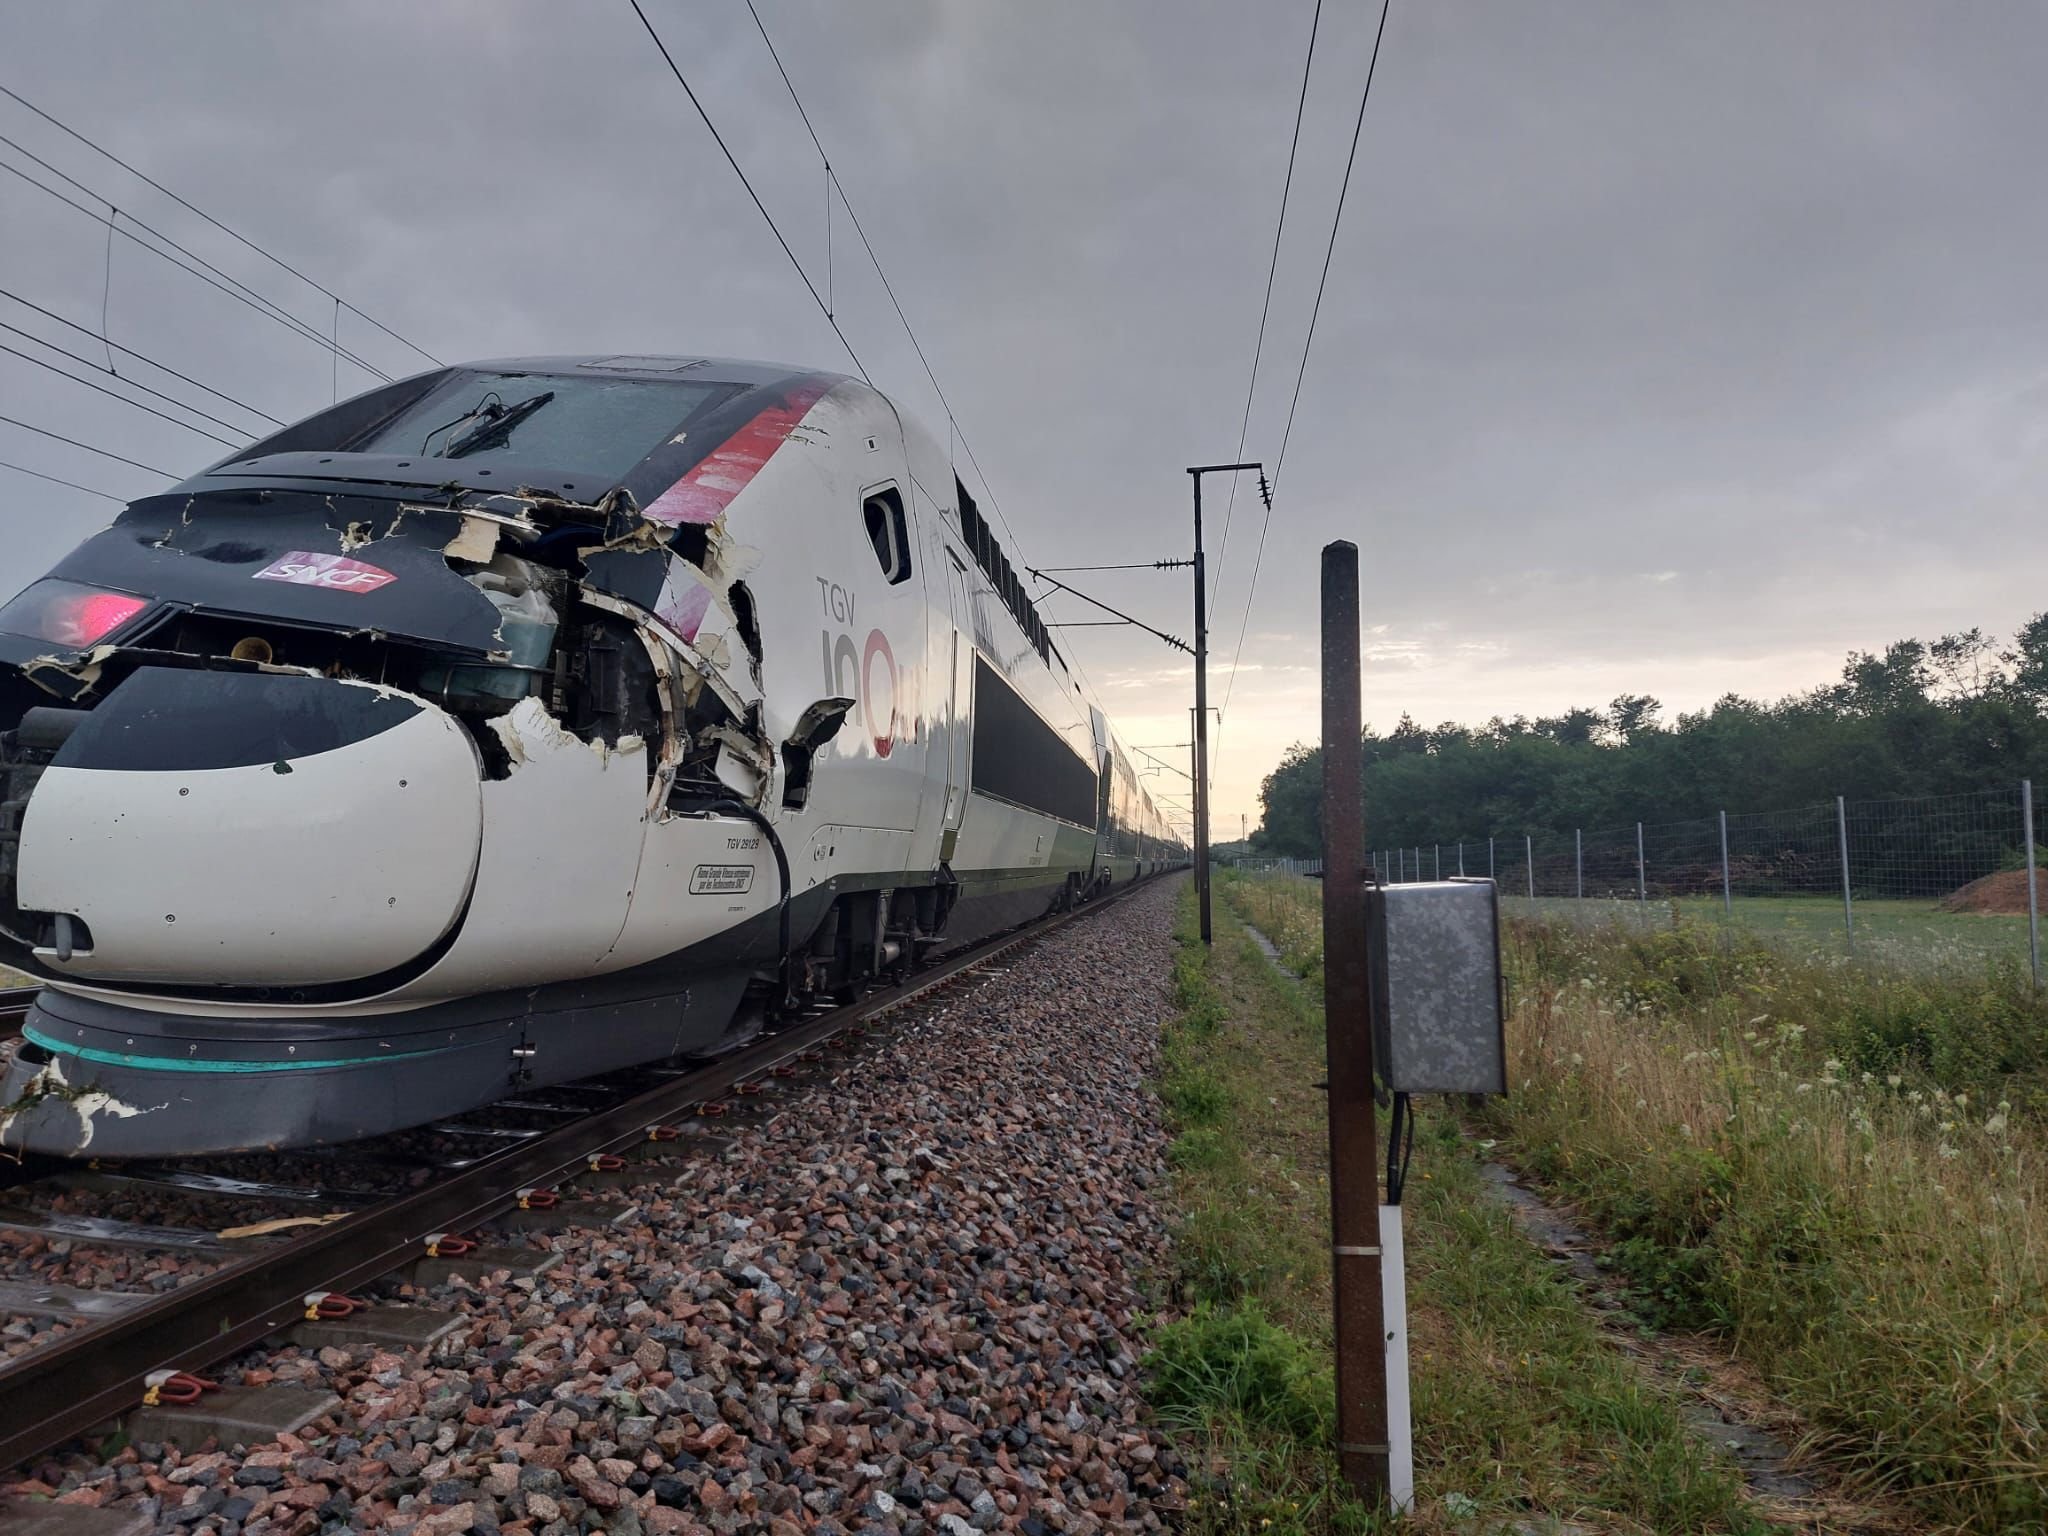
(825, 308)
(88, 447)
(211, 275)
(229, 231)
(1266, 306)
(887, 287)
(86, 362)
(115, 215)
(23, 469)
(225, 442)
(1073, 664)
(719, 138)
(1336, 222)
(141, 357)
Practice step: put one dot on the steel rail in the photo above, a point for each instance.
(89, 1377)
(14, 1005)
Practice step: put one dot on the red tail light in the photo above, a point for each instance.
(68, 614)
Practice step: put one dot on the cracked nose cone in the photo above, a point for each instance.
(252, 829)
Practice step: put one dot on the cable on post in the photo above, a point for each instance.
(1400, 1147)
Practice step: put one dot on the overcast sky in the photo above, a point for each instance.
(1666, 349)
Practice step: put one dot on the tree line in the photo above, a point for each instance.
(1960, 713)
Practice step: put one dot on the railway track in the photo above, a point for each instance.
(86, 1377)
(14, 1005)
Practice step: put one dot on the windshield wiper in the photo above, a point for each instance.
(495, 425)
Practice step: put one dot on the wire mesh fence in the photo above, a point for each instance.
(1259, 866)
(1921, 880)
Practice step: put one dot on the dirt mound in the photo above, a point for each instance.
(2005, 892)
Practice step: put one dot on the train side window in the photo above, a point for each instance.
(888, 533)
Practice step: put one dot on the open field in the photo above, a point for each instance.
(1837, 1171)
(1919, 934)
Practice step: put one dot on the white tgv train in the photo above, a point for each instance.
(512, 723)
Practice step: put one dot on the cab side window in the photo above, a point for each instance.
(888, 532)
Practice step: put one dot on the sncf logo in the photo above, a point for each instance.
(336, 572)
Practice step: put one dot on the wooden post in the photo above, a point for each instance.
(1361, 1335)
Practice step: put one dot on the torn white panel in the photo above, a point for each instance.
(477, 541)
(728, 560)
(529, 731)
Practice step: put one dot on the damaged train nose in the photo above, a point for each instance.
(248, 830)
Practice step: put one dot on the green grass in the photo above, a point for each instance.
(1975, 1027)
(1917, 935)
(1522, 1407)
(1836, 1169)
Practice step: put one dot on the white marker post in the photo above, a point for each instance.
(1394, 1299)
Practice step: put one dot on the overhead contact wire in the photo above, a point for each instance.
(1266, 306)
(86, 362)
(775, 229)
(141, 357)
(246, 296)
(1287, 433)
(111, 394)
(115, 215)
(23, 469)
(228, 230)
(88, 447)
(887, 287)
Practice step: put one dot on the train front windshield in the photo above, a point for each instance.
(596, 426)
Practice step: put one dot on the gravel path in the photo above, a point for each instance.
(906, 1303)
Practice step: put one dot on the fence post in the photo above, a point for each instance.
(1529, 855)
(1642, 881)
(1489, 859)
(2033, 901)
(1579, 861)
(1848, 905)
(1727, 890)
(1436, 861)
(1461, 858)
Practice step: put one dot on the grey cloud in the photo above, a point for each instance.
(1748, 293)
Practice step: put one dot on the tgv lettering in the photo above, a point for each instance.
(836, 600)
